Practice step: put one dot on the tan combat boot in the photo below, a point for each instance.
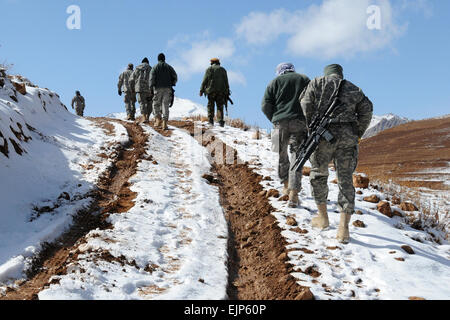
(293, 199)
(286, 188)
(157, 121)
(321, 222)
(343, 234)
(164, 125)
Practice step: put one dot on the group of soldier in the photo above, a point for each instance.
(291, 102)
(151, 87)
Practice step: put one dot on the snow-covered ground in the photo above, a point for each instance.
(60, 155)
(182, 108)
(173, 241)
(368, 267)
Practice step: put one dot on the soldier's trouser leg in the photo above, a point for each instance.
(133, 104)
(79, 111)
(291, 134)
(319, 171)
(163, 97)
(345, 162)
(128, 105)
(220, 117)
(143, 99)
(211, 108)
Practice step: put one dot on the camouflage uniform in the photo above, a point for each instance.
(347, 127)
(287, 137)
(163, 78)
(140, 81)
(215, 85)
(80, 104)
(130, 95)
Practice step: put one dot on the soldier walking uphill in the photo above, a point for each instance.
(130, 95)
(215, 85)
(347, 127)
(162, 78)
(140, 82)
(282, 108)
(79, 103)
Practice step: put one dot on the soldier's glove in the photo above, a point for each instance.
(120, 92)
(359, 140)
(201, 93)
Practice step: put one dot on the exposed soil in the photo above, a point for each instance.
(401, 154)
(258, 268)
(112, 196)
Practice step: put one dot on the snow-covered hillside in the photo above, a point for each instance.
(170, 239)
(381, 123)
(45, 154)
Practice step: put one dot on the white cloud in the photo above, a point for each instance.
(336, 28)
(237, 77)
(194, 55)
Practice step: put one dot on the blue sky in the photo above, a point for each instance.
(401, 66)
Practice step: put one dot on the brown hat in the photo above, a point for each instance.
(215, 60)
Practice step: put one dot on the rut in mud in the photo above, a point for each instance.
(257, 266)
(112, 195)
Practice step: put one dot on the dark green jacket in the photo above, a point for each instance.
(215, 81)
(281, 98)
(163, 76)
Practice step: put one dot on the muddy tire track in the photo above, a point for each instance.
(113, 195)
(258, 258)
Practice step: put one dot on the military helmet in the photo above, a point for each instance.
(77, 93)
(130, 66)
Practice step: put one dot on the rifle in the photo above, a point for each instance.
(172, 99)
(318, 130)
(226, 104)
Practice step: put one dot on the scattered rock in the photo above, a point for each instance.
(396, 200)
(397, 214)
(417, 298)
(208, 178)
(335, 181)
(283, 256)
(267, 178)
(359, 212)
(306, 171)
(408, 249)
(262, 193)
(360, 181)
(290, 221)
(284, 198)
(400, 259)
(272, 193)
(372, 199)
(408, 206)
(64, 196)
(359, 224)
(299, 230)
(306, 294)
(20, 87)
(201, 280)
(385, 208)
(256, 135)
(359, 192)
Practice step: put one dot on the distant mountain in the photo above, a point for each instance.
(381, 123)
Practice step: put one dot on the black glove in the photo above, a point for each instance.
(120, 92)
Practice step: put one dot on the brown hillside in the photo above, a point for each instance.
(416, 154)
